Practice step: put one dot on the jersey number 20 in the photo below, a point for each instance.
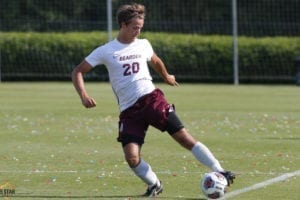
(131, 68)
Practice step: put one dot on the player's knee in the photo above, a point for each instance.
(184, 139)
(132, 161)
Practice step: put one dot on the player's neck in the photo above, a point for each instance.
(125, 40)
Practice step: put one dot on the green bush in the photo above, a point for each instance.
(44, 55)
(52, 56)
(266, 58)
(210, 58)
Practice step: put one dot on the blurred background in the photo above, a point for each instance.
(207, 41)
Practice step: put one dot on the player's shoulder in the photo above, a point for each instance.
(103, 49)
(144, 42)
(108, 46)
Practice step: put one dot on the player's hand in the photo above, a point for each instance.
(170, 79)
(88, 102)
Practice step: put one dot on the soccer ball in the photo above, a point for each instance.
(213, 185)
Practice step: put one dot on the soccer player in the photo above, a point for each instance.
(140, 103)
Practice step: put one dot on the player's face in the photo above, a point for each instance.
(133, 29)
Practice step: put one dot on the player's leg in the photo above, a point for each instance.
(176, 129)
(142, 169)
(132, 144)
(199, 150)
(158, 118)
(132, 154)
(132, 130)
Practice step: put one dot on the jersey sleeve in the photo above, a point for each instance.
(148, 50)
(95, 57)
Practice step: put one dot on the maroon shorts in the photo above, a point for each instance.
(151, 109)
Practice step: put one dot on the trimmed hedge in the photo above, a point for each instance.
(52, 56)
(44, 56)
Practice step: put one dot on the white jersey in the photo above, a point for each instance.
(127, 68)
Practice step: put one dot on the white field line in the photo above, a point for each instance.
(36, 171)
(262, 184)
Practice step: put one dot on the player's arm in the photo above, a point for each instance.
(78, 82)
(158, 65)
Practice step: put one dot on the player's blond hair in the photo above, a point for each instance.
(127, 12)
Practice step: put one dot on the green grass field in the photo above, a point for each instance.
(51, 147)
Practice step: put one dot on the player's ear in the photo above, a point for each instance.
(123, 24)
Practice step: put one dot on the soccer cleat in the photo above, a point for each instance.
(229, 176)
(154, 190)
